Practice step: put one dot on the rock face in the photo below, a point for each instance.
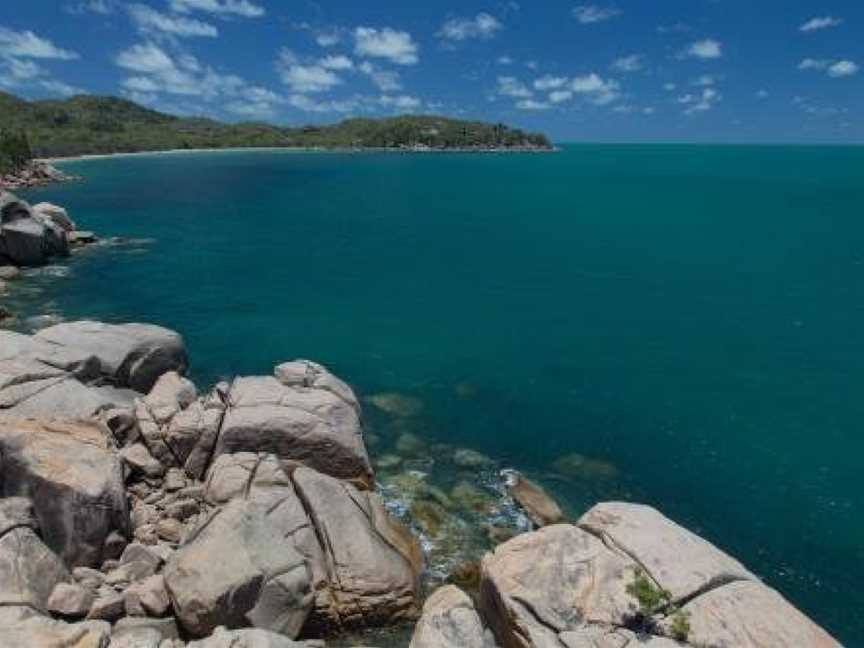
(29, 571)
(28, 237)
(224, 638)
(449, 621)
(74, 479)
(537, 503)
(23, 627)
(365, 566)
(132, 355)
(237, 572)
(569, 584)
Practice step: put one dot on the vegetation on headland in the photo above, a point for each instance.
(100, 125)
(15, 150)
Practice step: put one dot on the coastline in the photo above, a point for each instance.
(293, 149)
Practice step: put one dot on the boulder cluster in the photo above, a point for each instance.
(34, 174)
(30, 236)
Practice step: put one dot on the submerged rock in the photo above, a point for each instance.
(577, 466)
(537, 503)
(396, 404)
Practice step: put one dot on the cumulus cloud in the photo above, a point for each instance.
(243, 8)
(306, 78)
(549, 82)
(592, 14)
(26, 44)
(532, 104)
(834, 69)
(384, 80)
(338, 63)
(483, 26)
(509, 86)
(396, 46)
(403, 102)
(819, 23)
(700, 102)
(595, 89)
(560, 96)
(632, 63)
(148, 21)
(705, 50)
(328, 38)
(842, 69)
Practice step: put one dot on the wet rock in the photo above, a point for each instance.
(70, 600)
(411, 445)
(397, 404)
(257, 580)
(133, 355)
(449, 620)
(74, 479)
(537, 503)
(577, 466)
(8, 273)
(471, 459)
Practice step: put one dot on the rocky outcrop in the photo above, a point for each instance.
(27, 237)
(365, 566)
(254, 638)
(74, 479)
(130, 355)
(565, 584)
(34, 174)
(237, 571)
(23, 627)
(450, 620)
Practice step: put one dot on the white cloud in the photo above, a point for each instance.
(632, 63)
(305, 79)
(149, 21)
(243, 8)
(385, 80)
(403, 102)
(700, 102)
(328, 39)
(59, 88)
(704, 80)
(592, 14)
(705, 49)
(397, 46)
(531, 104)
(560, 96)
(483, 26)
(818, 23)
(145, 57)
(509, 86)
(337, 63)
(101, 7)
(813, 64)
(26, 44)
(504, 60)
(595, 89)
(843, 69)
(549, 82)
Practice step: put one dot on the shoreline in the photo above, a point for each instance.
(287, 149)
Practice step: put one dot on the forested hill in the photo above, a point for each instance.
(89, 124)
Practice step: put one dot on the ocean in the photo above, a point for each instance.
(688, 320)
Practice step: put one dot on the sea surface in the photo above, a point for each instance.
(689, 319)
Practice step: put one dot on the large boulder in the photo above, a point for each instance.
(577, 586)
(315, 422)
(365, 565)
(131, 355)
(55, 214)
(29, 571)
(449, 621)
(248, 638)
(75, 480)
(28, 238)
(237, 571)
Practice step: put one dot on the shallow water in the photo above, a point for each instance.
(688, 318)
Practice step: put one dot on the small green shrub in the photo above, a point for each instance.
(680, 627)
(651, 599)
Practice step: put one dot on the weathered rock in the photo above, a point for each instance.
(108, 605)
(133, 355)
(311, 425)
(30, 241)
(257, 580)
(8, 273)
(747, 614)
(311, 375)
(676, 559)
(141, 462)
(22, 627)
(249, 638)
(143, 627)
(537, 503)
(542, 584)
(70, 600)
(449, 621)
(55, 214)
(29, 571)
(74, 479)
(147, 597)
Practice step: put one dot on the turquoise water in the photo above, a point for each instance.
(692, 315)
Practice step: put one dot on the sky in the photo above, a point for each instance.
(773, 71)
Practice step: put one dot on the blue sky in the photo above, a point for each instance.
(630, 70)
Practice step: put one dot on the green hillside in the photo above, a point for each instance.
(89, 124)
